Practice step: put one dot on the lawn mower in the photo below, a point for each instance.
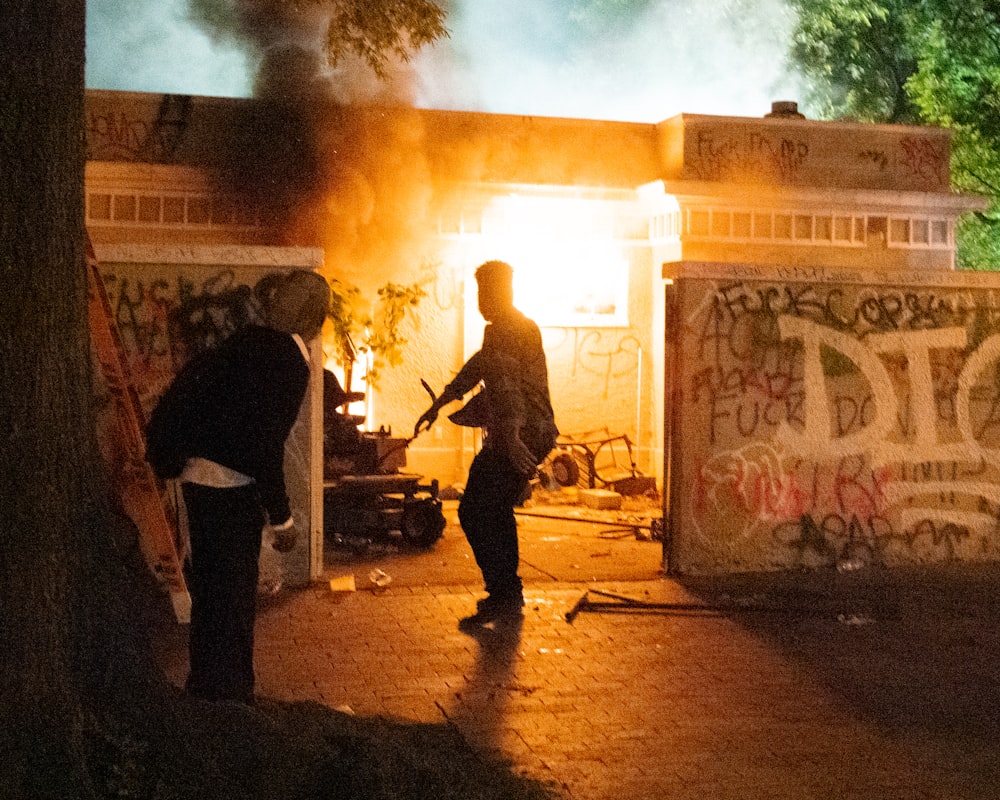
(366, 496)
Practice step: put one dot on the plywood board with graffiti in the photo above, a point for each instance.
(170, 303)
(834, 418)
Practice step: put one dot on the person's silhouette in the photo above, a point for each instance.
(515, 411)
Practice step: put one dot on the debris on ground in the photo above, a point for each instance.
(344, 583)
(379, 578)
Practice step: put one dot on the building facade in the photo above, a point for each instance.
(600, 219)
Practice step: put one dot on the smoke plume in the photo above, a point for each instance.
(347, 181)
(357, 184)
(632, 60)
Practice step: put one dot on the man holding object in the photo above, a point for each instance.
(515, 411)
(220, 428)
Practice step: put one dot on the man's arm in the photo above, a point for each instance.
(507, 433)
(467, 379)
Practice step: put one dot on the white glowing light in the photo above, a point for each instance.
(569, 271)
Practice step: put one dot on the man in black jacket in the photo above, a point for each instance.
(520, 430)
(221, 428)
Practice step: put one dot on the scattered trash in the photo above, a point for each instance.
(854, 620)
(379, 579)
(850, 565)
(344, 583)
(345, 709)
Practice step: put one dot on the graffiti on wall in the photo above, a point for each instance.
(165, 315)
(718, 155)
(165, 319)
(602, 357)
(116, 135)
(925, 159)
(786, 156)
(842, 422)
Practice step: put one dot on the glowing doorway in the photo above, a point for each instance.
(569, 270)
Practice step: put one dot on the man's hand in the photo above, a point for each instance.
(427, 418)
(284, 540)
(520, 457)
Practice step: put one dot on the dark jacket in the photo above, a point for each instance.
(234, 405)
(511, 365)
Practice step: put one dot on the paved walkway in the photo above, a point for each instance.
(865, 685)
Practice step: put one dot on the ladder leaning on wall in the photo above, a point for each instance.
(142, 494)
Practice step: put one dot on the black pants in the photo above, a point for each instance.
(486, 512)
(226, 527)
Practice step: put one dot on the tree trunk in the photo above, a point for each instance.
(57, 554)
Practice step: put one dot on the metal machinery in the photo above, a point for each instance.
(593, 460)
(366, 496)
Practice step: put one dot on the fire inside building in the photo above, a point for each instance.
(766, 310)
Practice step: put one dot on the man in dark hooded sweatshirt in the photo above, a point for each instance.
(520, 431)
(220, 428)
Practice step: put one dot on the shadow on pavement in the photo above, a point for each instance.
(554, 546)
(915, 650)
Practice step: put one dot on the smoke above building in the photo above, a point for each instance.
(361, 186)
(635, 60)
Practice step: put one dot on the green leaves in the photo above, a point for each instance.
(362, 326)
(915, 61)
(385, 339)
(856, 56)
(377, 30)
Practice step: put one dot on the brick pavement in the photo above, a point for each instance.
(877, 685)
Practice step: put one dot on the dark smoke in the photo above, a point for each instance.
(310, 148)
(285, 42)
